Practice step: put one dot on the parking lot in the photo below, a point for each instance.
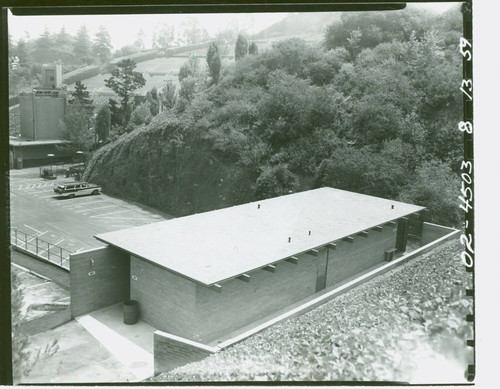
(69, 223)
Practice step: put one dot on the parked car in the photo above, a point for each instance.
(72, 189)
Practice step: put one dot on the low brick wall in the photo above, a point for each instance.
(172, 351)
(46, 322)
(41, 266)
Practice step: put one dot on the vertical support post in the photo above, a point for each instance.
(15, 236)
(402, 234)
(48, 251)
(26, 241)
(60, 256)
(36, 243)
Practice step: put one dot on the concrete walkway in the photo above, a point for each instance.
(132, 345)
(95, 348)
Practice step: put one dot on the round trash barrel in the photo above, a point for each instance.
(130, 312)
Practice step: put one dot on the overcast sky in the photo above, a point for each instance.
(124, 28)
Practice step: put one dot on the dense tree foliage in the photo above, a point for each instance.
(241, 47)
(372, 111)
(123, 81)
(214, 62)
(103, 123)
(77, 126)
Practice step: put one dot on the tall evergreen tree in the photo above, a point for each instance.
(22, 52)
(139, 42)
(102, 45)
(81, 48)
(214, 62)
(241, 47)
(103, 123)
(43, 48)
(63, 38)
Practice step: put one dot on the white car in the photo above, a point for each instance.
(73, 189)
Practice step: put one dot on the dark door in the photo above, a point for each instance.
(402, 234)
(321, 274)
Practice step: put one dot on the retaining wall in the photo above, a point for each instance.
(41, 266)
(99, 278)
(432, 232)
(47, 321)
(172, 351)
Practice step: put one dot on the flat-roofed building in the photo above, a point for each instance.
(205, 275)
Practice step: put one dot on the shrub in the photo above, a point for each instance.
(275, 181)
(436, 187)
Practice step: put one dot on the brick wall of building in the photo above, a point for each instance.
(348, 259)
(172, 351)
(166, 300)
(101, 283)
(240, 303)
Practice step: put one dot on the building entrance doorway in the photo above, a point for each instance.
(321, 273)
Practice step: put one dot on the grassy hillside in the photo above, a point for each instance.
(407, 325)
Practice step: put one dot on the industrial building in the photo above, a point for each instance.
(41, 112)
(203, 276)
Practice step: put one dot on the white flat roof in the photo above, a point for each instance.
(215, 246)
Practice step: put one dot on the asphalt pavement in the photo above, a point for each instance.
(70, 223)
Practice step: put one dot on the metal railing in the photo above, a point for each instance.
(41, 248)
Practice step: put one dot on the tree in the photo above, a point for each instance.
(116, 113)
(275, 181)
(152, 98)
(123, 81)
(169, 94)
(163, 36)
(253, 49)
(77, 126)
(43, 48)
(82, 45)
(81, 96)
(103, 123)
(22, 53)
(214, 62)
(141, 114)
(187, 91)
(241, 47)
(102, 45)
(192, 32)
(435, 187)
(62, 38)
(139, 42)
(23, 359)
